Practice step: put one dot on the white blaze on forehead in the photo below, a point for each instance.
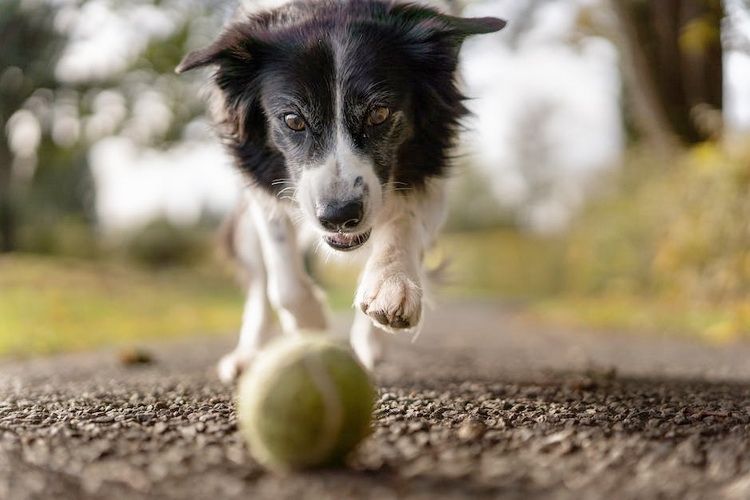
(335, 179)
(337, 175)
(350, 163)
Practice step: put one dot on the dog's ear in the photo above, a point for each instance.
(426, 24)
(462, 27)
(198, 58)
(233, 44)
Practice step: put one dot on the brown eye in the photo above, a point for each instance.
(294, 122)
(378, 115)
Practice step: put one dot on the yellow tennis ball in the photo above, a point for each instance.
(305, 402)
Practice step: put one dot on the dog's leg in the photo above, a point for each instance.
(390, 289)
(294, 296)
(256, 324)
(365, 341)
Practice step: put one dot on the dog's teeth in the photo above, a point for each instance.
(346, 241)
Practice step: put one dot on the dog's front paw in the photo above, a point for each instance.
(232, 365)
(392, 300)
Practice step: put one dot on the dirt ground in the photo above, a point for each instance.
(486, 404)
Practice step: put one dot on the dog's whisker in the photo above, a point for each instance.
(297, 216)
(327, 254)
(397, 186)
(399, 190)
(291, 197)
(276, 182)
(319, 249)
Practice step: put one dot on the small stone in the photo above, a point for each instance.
(133, 356)
(471, 430)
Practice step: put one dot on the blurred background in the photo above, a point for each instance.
(603, 181)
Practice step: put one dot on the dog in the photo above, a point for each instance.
(341, 114)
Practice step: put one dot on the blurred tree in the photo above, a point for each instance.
(29, 43)
(734, 35)
(535, 160)
(48, 186)
(673, 59)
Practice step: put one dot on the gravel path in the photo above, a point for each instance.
(485, 405)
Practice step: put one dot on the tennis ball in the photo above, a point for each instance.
(305, 402)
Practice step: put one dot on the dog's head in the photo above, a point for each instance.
(339, 105)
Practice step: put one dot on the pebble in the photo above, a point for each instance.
(471, 430)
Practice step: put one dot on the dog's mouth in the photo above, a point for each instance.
(346, 242)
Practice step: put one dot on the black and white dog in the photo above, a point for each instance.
(341, 113)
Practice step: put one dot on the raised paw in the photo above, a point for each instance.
(392, 301)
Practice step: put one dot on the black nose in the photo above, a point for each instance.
(340, 216)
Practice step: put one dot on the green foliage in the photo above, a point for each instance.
(704, 251)
(676, 231)
(610, 247)
(501, 262)
(29, 43)
(163, 56)
(161, 244)
(473, 205)
(64, 235)
(668, 250)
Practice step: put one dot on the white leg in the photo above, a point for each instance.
(256, 317)
(255, 331)
(390, 290)
(298, 302)
(365, 341)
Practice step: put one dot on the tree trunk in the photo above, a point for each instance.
(7, 204)
(673, 56)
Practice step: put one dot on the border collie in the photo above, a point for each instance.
(341, 113)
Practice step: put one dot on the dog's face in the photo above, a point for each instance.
(341, 105)
(338, 113)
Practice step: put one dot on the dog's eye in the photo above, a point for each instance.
(294, 122)
(378, 115)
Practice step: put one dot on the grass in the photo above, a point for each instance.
(50, 304)
(532, 270)
(712, 323)
(53, 304)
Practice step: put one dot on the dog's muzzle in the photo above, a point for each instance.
(346, 242)
(341, 219)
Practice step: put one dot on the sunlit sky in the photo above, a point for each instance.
(573, 93)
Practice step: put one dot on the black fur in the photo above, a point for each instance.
(402, 56)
